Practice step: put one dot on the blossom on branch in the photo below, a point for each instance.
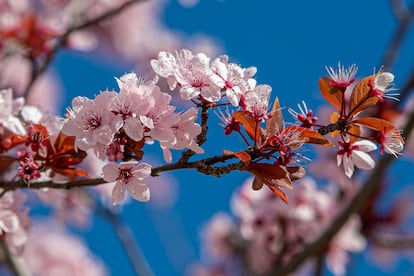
(353, 155)
(127, 174)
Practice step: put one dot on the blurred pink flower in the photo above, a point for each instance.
(14, 221)
(51, 251)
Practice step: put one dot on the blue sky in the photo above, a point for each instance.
(290, 42)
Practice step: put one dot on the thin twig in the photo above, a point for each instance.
(399, 35)
(203, 165)
(399, 9)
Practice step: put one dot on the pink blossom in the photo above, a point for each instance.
(185, 133)
(257, 101)
(380, 86)
(355, 154)
(192, 73)
(43, 254)
(342, 78)
(234, 78)
(348, 239)
(14, 221)
(391, 142)
(160, 118)
(127, 174)
(305, 117)
(91, 122)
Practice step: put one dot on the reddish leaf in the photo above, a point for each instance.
(271, 174)
(5, 163)
(275, 123)
(249, 123)
(360, 97)
(311, 136)
(355, 132)
(11, 141)
(332, 94)
(279, 193)
(376, 124)
(71, 172)
(243, 156)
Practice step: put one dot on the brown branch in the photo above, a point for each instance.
(38, 70)
(355, 205)
(204, 166)
(404, 19)
(399, 9)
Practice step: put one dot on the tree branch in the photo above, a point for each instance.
(203, 165)
(404, 19)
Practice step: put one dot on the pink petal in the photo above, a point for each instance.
(110, 172)
(9, 222)
(362, 160)
(142, 170)
(138, 190)
(134, 129)
(118, 193)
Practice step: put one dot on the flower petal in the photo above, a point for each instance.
(110, 172)
(118, 193)
(362, 160)
(138, 190)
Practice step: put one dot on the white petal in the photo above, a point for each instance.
(167, 155)
(339, 159)
(139, 191)
(14, 125)
(142, 170)
(362, 160)
(348, 166)
(110, 172)
(134, 129)
(147, 121)
(366, 145)
(9, 222)
(189, 92)
(118, 193)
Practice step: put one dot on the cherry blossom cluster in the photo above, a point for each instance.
(117, 125)
(360, 133)
(264, 233)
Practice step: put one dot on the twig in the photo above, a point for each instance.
(404, 19)
(39, 70)
(203, 165)
(399, 9)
